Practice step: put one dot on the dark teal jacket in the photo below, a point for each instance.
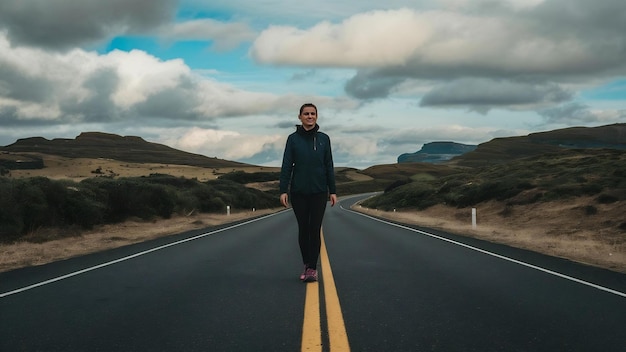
(307, 163)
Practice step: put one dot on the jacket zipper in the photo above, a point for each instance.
(315, 142)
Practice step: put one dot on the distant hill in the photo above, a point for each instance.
(436, 152)
(110, 146)
(500, 150)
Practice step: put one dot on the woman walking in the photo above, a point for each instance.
(307, 174)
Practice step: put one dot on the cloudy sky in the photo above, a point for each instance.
(225, 78)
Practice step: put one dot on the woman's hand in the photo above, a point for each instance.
(333, 199)
(284, 200)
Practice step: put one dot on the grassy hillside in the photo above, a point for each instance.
(28, 206)
(550, 176)
(93, 145)
(502, 150)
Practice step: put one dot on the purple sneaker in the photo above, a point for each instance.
(303, 275)
(310, 275)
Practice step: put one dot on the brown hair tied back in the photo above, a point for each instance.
(306, 106)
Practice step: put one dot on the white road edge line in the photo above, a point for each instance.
(602, 288)
(30, 287)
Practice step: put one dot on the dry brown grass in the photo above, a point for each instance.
(561, 229)
(22, 254)
(58, 167)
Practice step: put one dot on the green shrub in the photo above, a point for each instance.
(208, 200)
(81, 209)
(450, 185)
(412, 195)
(238, 196)
(553, 176)
(250, 177)
(31, 204)
(397, 184)
(214, 205)
(134, 197)
(11, 224)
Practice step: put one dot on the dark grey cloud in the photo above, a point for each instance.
(64, 24)
(599, 28)
(98, 106)
(569, 113)
(10, 118)
(178, 102)
(554, 43)
(494, 93)
(367, 84)
(8, 114)
(19, 85)
(581, 18)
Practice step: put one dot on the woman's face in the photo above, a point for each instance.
(308, 117)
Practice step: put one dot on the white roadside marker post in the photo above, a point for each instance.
(473, 218)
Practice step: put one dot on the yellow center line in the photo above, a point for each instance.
(311, 331)
(337, 335)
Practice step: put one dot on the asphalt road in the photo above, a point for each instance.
(236, 288)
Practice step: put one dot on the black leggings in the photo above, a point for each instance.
(309, 210)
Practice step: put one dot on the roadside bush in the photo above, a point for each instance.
(476, 192)
(33, 204)
(397, 184)
(168, 180)
(238, 196)
(214, 205)
(157, 200)
(208, 200)
(82, 209)
(419, 195)
(250, 177)
(28, 205)
(133, 197)
(42, 202)
(413, 195)
(449, 185)
(11, 224)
